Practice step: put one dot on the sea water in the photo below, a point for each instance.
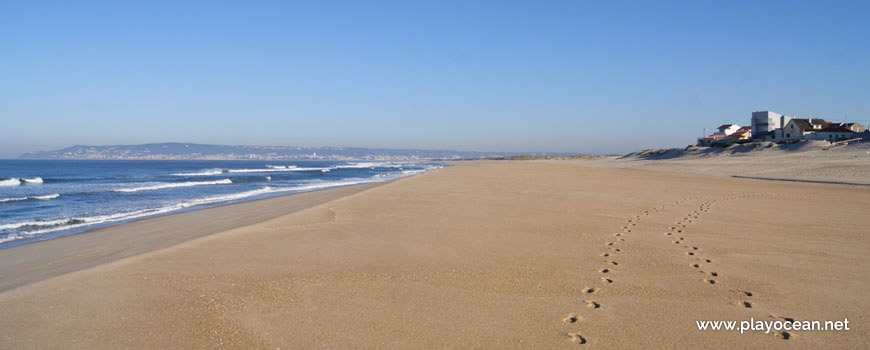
(42, 199)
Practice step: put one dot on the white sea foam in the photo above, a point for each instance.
(367, 165)
(174, 184)
(271, 170)
(31, 228)
(47, 197)
(10, 182)
(35, 180)
(413, 172)
(40, 226)
(44, 198)
(209, 172)
(227, 197)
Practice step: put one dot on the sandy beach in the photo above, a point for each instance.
(507, 254)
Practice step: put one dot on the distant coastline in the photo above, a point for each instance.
(193, 151)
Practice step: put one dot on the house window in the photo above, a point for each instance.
(788, 135)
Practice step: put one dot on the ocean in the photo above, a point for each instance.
(41, 199)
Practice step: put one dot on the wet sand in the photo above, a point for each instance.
(37, 261)
(482, 255)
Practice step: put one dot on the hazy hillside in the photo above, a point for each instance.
(175, 150)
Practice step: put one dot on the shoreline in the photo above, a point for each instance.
(484, 254)
(34, 261)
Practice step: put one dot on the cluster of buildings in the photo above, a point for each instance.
(770, 126)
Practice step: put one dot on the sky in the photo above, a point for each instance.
(536, 76)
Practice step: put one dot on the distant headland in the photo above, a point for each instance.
(193, 151)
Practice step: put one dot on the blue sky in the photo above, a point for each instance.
(574, 76)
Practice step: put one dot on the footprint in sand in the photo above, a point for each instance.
(782, 318)
(782, 335)
(590, 290)
(604, 271)
(714, 274)
(606, 280)
(605, 254)
(690, 253)
(577, 338)
(617, 234)
(676, 242)
(616, 249)
(696, 266)
(710, 281)
(571, 318)
(746, 304)
(609, 243)
(614, 263)
(592, 304)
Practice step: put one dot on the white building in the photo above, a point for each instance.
(764, 123)
(834, 133)
(799, 129)
(727, 129)
(856, 127)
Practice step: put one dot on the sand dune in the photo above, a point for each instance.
(550, 254)
(816, 161)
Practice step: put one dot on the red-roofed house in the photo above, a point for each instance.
(727, 133)
(742, 135)
(727, 129)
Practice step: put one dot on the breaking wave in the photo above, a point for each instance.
(10, 182)
(46, 197)
(42, 198)
(30, 228)
(174, 184)
(274, 169)
(208, 172)
(20, 181)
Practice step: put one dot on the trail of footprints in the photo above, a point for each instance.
(609, 264)
(676, 233)
(705, 265)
